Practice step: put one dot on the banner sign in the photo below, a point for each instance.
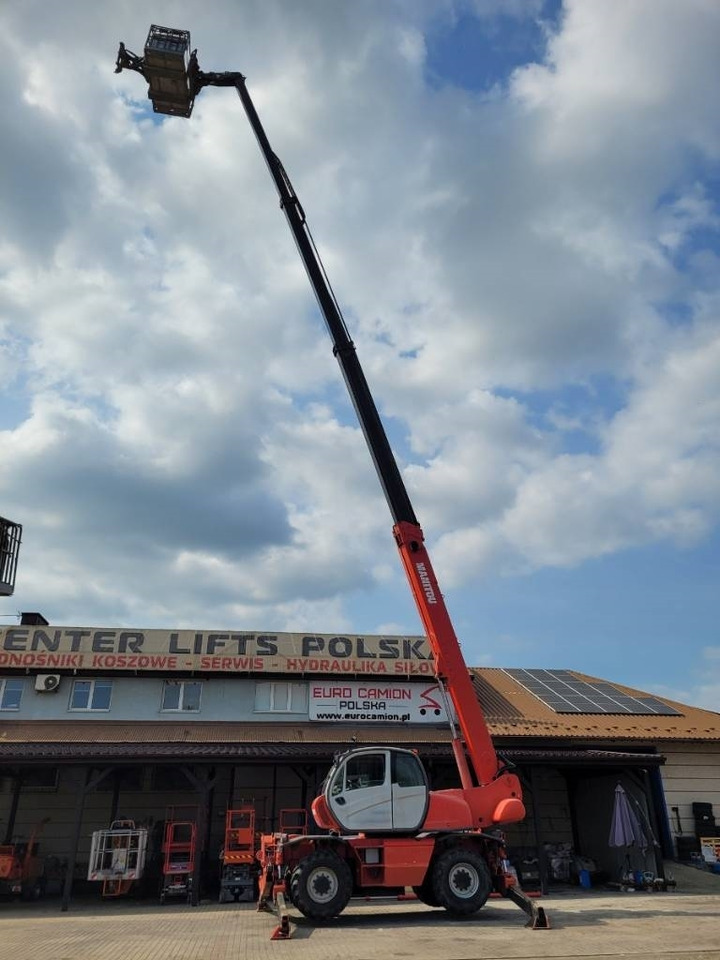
(377, 700)
(51, 648)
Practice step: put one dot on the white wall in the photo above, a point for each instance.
(691, 773)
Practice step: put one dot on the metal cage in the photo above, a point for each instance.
(10, 537)
(166, 65)
(118, 853)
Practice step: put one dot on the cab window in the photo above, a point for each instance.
(365, 771)
(407, 771)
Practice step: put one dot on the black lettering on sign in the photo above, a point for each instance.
(412, 650)
(267, 646)
(216, 640)
(48, 642)
(104, 641)
(312, 645)
(15, 639)
(340, 647)
(175, 645)
(241, 639)
(362, 652)
(389, 649)
(76, 637)
(131, 640)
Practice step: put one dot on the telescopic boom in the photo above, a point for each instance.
(175, 79)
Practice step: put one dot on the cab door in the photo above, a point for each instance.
(410, 791)
(360, 794)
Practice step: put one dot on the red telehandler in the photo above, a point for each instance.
(385, 828)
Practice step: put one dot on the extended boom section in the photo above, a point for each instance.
(386, 830)
(497, 796)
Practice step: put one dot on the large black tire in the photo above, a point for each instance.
(288, 887)
(321, 885)
(461, 881)
(425, 894)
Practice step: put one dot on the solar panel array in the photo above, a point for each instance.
(564, 693)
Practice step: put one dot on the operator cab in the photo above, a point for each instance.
(374, 789)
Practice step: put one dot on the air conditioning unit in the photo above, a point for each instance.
(47, 682)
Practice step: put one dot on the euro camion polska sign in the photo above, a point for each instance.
(376, 700)
(99, 648)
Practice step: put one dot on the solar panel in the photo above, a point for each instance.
(565, 693)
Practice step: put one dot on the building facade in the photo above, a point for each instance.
(99, 725)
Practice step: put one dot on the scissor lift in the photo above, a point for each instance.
(293, 820)
(179, 848)
(117, 857)
(237, 878)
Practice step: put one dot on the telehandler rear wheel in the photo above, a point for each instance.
(321, 885)
(461, 881)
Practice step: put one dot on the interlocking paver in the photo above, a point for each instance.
(595, 925)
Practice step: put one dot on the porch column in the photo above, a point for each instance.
(541, 854)
(203, 784)
(12, 815)
(84, 788)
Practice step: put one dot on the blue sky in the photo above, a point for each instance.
(517, 205)
(477, 53)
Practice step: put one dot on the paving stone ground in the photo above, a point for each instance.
(594, 926)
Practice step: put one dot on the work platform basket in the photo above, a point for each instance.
(10, 536)
(167, 69)
(117, 856)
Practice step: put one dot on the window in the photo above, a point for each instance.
(11, 694)
(407, 771)
(91, 695)
(365, 771)
(181, 696)
(40, 780)
(277, 697)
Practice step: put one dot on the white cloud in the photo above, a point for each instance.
(181, 438)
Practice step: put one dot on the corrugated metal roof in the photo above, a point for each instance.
(495, 706)
(109, 731)
(525, 716)
(173, 741)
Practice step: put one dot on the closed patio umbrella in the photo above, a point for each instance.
(628, 834)
(626, 829)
